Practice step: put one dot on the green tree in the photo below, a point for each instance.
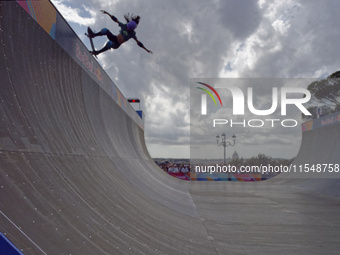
(327, 93)
(260, 159)
(236, 162)
(283, 162)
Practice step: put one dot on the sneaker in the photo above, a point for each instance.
(90, 32)
(94, 52)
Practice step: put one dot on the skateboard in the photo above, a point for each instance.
(89, 31)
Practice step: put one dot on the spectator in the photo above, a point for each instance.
(170, 169)
(184, 169)
(175, 169)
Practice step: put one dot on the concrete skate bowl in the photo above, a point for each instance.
(76, 177)
(317, 163)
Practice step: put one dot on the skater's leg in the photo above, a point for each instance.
(102, 32)
(107, 46)
(92, 34)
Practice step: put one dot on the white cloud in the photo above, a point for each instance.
(81, 15)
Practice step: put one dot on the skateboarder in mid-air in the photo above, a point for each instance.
(127, 32)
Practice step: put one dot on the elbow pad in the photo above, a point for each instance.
(140, 44)
(114, 18)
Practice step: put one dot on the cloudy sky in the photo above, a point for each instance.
(209, 39)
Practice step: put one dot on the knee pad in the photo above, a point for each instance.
(104, 31)
(109, 44)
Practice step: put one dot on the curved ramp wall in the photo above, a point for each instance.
(319, 146)
(75, 174)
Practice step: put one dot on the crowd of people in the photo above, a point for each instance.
(182, 171)
(175, 168)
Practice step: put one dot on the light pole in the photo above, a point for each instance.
(221, 141)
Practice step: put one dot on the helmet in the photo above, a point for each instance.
(131, 25)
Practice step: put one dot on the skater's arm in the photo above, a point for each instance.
(142, 46)
(111, 16)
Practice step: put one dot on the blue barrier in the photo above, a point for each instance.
(7, 248)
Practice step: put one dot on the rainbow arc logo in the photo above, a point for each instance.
(204, 97)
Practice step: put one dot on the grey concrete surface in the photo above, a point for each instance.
(76, 176)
